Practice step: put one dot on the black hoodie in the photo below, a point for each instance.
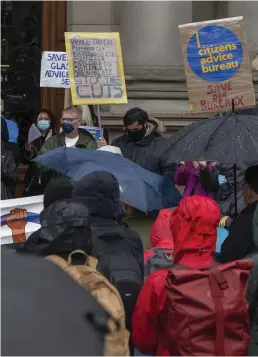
(100, 192)
(64, 228)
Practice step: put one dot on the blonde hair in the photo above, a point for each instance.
(74, 109)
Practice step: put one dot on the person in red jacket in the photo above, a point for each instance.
(194, 228)
(160, 234)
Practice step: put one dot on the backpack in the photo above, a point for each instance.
(207, 312)
(159, 260)
(116, 341)
(116, 254)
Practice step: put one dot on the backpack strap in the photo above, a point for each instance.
(63, 264)
(77, 251)
(217, 285)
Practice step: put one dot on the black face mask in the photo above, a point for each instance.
(137, 135)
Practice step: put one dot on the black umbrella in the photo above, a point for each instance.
(44, 312)
(230, 138)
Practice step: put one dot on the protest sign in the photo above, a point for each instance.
(54, 70)
(217, 65)
(95, 68)
(94, 131)
(20, 218)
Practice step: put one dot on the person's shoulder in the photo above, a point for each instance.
(158, 277)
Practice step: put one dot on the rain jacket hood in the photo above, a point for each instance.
(161, 231)
(194, 228)
(100, 192)
(64, 228)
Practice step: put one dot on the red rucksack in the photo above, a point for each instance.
(207, 310)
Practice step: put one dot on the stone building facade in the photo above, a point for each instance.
(151, 49)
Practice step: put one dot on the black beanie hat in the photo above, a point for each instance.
(56, 190)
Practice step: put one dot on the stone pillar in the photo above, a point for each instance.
(249, 10)
(149, 32)
(90, 16)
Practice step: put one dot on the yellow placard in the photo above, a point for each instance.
(217, 65)
(96, 69)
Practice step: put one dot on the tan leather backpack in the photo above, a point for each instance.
(116, 341)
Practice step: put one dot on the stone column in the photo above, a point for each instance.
(249, 10)
(149, 32)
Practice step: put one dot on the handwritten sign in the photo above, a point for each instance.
(95, 68)
(54, 70)
(217, 65)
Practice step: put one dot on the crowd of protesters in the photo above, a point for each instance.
(182, 295)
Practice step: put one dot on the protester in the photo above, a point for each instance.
(187, 174)
(116, 246)
(57, 191)
(9, 171)
(220, 181)
(240, 241)
(43, 129)
(159, 323)
(143, 143)
(161, 254)
(71, 136)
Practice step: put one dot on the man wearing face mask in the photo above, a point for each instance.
(143, 142)
(71, 136)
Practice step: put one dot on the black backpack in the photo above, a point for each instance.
(116, 254)
(160, 260)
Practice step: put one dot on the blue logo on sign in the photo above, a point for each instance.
(214, 53)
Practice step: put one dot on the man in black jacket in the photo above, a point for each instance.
(240, 241)
(115, 245)
(143, 143)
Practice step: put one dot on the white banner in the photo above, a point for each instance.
(54, 70)
(20, 218)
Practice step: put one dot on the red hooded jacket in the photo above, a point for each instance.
(194, 228)
(160, 234)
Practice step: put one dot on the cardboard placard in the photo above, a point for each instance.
(95, 68)
(54, 70)
(217, 65)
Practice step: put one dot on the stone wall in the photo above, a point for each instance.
(151, 49)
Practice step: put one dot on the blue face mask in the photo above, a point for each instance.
(43, 125)
(68, 128)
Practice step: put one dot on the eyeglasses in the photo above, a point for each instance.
(69, 119)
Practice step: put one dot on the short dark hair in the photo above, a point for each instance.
(251, 177)
(135, 114)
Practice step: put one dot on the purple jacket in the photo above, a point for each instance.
(187, 177)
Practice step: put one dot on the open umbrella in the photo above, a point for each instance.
(139, 188)
(44, 312)
(230, 138)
